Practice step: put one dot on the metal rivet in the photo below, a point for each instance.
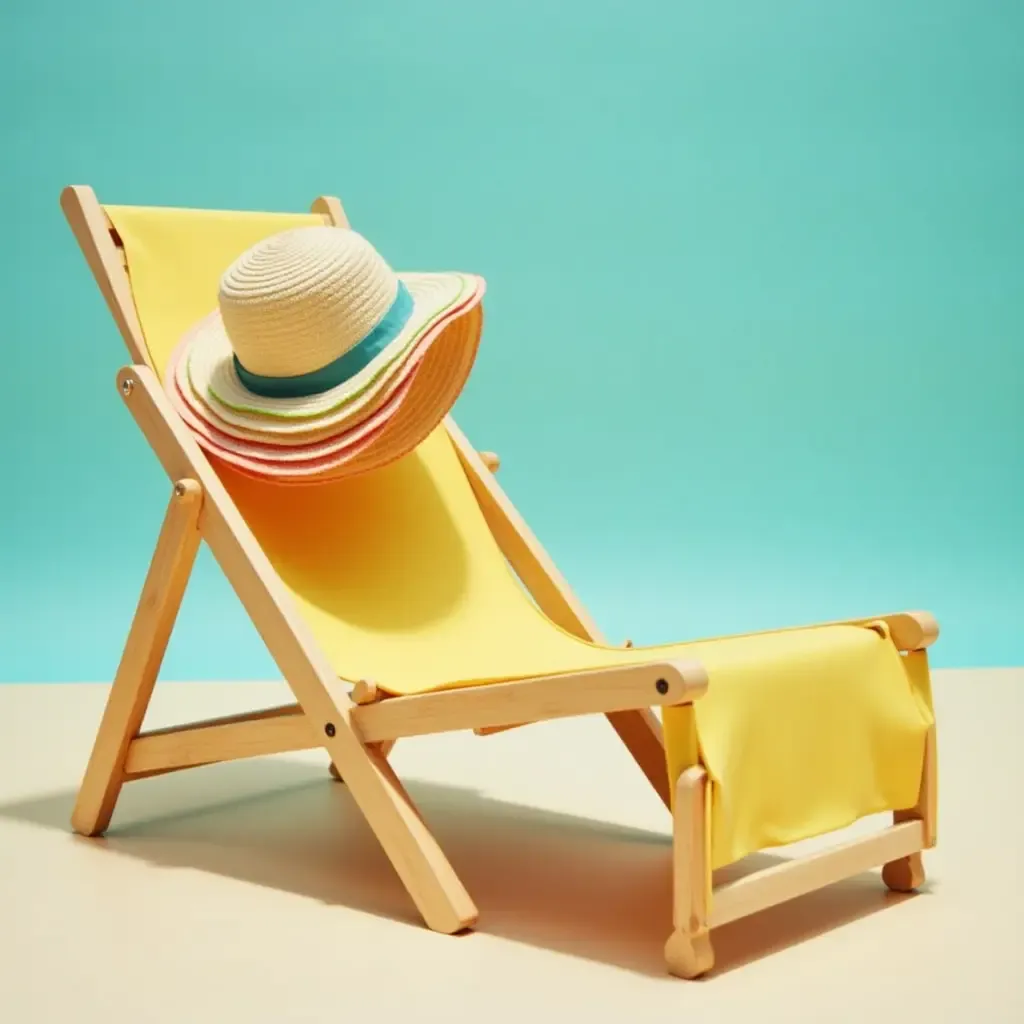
(661, 686)
(329, 729)
(179, 489)
(127, 386)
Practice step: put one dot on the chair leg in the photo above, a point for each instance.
(383, 749)
(907, 874)
(421, 865)
(689, 952)
(140, 661)
(429, 878)
(904, 875)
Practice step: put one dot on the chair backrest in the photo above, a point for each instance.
(396, 571)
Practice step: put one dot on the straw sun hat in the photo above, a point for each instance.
(320, 361)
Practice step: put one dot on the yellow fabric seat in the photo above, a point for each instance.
(401, 581)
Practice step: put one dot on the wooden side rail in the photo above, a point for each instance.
(496, 704)
(285, 728)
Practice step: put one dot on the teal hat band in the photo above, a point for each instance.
(346, 366)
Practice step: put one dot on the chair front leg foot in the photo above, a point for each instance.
(904, 875)
(335, 774)
(689, 954)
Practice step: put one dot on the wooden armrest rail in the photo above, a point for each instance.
(286, 728)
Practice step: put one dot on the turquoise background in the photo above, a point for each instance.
(755, 330)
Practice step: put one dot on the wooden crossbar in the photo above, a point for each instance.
(258, 734)
(787, 881)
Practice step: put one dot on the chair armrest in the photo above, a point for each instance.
(909, 631)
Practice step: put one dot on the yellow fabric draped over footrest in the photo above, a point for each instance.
(802, 733)
(401, 581)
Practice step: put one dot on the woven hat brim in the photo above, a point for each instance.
(434, 384)
(299, 448)
(210, 365)
(285, 433)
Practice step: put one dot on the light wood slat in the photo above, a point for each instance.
(143, 654)
(796, 878)
(273, 731)
(537, 699)
(688, 952)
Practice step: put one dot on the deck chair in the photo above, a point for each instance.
(414, 600)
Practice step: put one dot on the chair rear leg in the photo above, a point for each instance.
(383, 748)
(140, 662)
(689, 952)
(904, 875)
(907, 874)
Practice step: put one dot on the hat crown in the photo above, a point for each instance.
(299, 300)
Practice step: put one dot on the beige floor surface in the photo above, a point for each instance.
(252, 891)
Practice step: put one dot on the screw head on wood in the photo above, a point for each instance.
(179, 489)
(329, 729)
(661, 686)
(127, 386)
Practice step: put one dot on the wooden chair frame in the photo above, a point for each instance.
(349, 720)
